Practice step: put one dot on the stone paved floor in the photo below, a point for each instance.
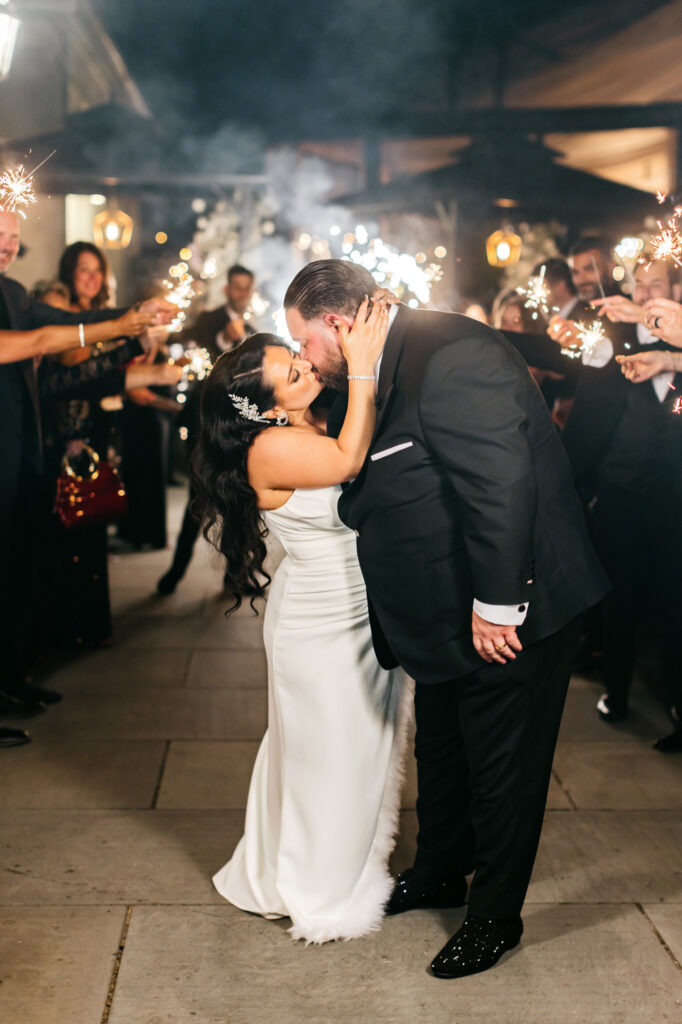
(132, 794)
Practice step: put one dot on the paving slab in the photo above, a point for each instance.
(56, 963)
(114, 857)
(116, 669)
(619, 776)
(581, 723)
(207, 775)
(159, 714)
(226, 669)
(667, 920)
(210, 965)
(78, 772)
(609, 856)
(196, 631)
(592, 856)
(135, 601)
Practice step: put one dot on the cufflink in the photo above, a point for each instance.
(522, 608)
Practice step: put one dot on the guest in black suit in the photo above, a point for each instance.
(478, 566)
(625, 448)
(636, 503)
(219, 330)
(21, 460)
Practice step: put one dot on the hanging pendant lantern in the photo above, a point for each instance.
(112, 228)
(503, 248)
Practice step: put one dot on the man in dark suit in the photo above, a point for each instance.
(21, 468)
(219, 330)
(478, 566)
(625, 448)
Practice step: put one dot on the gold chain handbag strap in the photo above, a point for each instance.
(93, 468)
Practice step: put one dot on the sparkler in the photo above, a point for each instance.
(198, 364)
(667, 244)
(537, 296)
(180, 291)
(589, 336)
(16, 187)
(677, 405)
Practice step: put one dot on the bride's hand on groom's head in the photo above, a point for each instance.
(384, 295)
(364, 342)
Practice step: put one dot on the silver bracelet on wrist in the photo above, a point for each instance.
(358, 376)
(81, 335)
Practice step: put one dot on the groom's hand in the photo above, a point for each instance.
(494, 642)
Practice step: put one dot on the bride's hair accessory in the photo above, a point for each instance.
(246, 409)
(249, 411)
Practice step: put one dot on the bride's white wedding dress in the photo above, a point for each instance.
(323, 802)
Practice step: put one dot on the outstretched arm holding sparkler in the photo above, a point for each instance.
(50, 340)
(664, 319)
(620, 310)
(645, 365)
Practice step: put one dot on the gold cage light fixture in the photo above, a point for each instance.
(503, 248)
(112, 228)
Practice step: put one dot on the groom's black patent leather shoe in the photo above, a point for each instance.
(413, 892)
(476, 947)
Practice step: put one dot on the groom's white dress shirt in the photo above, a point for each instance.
(500, 614)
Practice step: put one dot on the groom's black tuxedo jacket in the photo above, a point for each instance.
(466, 493)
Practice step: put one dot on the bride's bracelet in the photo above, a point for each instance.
(359, 376)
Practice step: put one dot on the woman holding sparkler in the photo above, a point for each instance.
(324, 793)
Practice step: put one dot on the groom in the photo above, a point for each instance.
(478, 567)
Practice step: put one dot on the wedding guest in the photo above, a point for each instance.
(563, 294)
(53, 293)
(510, 314)
(219, 330)
(28, 546)
(82, 565)
(636, 506)
(21, 456)
(145, 423)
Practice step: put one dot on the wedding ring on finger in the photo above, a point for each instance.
(500, 648)
(656, 319)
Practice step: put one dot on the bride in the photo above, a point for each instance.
(322, 809)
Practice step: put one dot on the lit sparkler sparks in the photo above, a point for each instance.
(537, 297)
(667, 244)
(589, 336)
(398, 271)
(17, 189)
(180, 291)
(198, 365)
(677, 405)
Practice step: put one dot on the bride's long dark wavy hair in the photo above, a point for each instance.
(225, 500)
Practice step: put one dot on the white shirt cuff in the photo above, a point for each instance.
(599, 355)
(502, 614)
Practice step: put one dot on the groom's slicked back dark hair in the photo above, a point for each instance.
(329, 286)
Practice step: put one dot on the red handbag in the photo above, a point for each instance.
(88, 500)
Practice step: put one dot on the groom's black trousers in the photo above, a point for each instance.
(485, 744)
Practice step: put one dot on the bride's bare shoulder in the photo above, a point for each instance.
(277, 439)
